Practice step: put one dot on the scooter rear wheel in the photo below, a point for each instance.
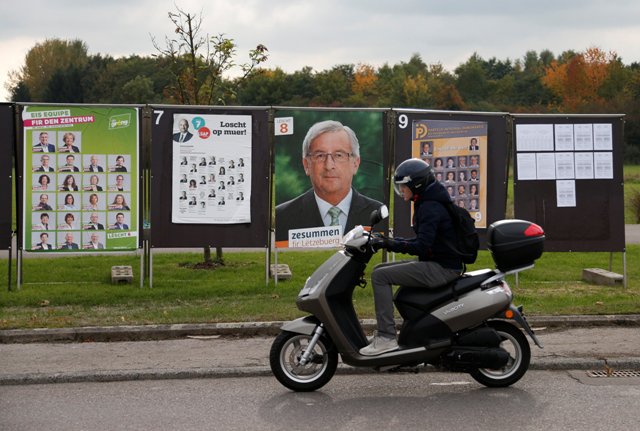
(514, 342)
(284, 358)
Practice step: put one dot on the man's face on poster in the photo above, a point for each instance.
(183, 125)
(331, 179)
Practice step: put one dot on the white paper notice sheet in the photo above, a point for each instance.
(526, 166)
(534, 137)
(566, 193)
(603, 163)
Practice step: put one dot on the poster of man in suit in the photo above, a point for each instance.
(330, 174)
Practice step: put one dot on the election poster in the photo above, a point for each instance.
(80, 178)
(211, 169)
(457, 151)
(329, 174)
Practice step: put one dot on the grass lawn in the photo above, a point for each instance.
(71, 291)
(632, 194)
(63, 292)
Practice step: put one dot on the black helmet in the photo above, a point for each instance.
(415, 174)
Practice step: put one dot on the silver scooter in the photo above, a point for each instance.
(468, 326)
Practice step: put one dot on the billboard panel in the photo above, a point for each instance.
(80, 175)
(209, 177)
(469, 154)
(7, 144)
(324, 189)
(568, 178)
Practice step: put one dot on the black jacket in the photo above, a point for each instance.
(431, 223)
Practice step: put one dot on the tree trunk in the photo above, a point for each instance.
(219, 255)
(207, 255)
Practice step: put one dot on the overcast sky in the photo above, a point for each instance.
(325, 33)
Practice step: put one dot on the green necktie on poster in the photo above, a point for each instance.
(334, 212)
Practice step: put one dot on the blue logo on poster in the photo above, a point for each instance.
(197, 122)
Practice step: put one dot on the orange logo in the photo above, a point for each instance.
(421, 131)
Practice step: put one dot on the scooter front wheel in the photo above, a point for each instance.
(516, 344)
(287, 350)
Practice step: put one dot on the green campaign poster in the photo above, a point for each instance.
(80, 178)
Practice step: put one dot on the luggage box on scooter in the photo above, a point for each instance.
(514, 243)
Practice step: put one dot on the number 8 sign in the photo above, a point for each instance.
(283, 126)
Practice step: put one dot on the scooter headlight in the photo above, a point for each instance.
(355, 237)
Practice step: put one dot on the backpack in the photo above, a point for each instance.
(467, 240)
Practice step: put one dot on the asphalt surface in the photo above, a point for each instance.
(236, 350)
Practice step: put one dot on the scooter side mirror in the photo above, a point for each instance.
(378, 215)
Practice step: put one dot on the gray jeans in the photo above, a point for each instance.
(429, 275)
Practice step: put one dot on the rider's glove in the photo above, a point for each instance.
(379, 242)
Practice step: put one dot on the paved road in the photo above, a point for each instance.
(566, 346)
(542, 400)
(632, 233)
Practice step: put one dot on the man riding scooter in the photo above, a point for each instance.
(436, 266)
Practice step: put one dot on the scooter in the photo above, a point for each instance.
(470, 325)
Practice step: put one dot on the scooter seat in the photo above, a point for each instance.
(413, 301)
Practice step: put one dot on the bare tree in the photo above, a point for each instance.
(198, 64)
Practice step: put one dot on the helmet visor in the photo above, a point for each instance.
(398, 182)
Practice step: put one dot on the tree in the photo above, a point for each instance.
(578, 81)
(65, 86)
(51, 58)
(112, 80)
(395, 83)
(333, 86)
(138, 90)
(198, 64)
(265, 87)
(20, 93)
(363, 87)
(472, 80)
(416, 91)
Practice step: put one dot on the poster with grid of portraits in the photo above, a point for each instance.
(457, 151)
(211, 169)
(80, 170)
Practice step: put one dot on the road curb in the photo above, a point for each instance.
(249, 329)
(557, 364)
